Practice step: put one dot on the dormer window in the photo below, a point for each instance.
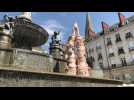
(127, 21)
(109, 42)
(118, 38)
(114, 28)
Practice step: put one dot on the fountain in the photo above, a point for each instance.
(27, 34)
(70, 69)
(18, 35)
(56, 50)
(76, 55)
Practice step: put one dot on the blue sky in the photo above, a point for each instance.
(63, 21)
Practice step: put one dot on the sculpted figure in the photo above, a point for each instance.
(76, 55)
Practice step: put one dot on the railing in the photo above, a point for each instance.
(121, 66)
(111, 55)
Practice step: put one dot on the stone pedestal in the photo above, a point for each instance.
(76, 52)
(71, 67)
(70, 70)
(5, 36)
(97, 74)
(83, 71)
(82, 67)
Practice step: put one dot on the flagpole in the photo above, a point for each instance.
(110, 74)
(104, 31)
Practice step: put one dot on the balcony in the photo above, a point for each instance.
(114, 66)
(111, 55)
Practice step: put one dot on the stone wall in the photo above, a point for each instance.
(25, 59)
(10, 77)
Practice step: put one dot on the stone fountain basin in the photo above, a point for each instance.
(30, 33)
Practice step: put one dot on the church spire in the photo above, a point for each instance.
(89, 31)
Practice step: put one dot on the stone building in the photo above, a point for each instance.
(112, 51)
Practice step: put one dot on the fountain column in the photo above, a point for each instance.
(70, 69)
(82, 67)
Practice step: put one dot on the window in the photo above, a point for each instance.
(131, 46)
(129, 58)
(127, 77)
(101, 33)
(121, 50)
(91, 61)
(129, 35)
(111, 54)
(98, 46)
(118, 38)
(91, 50)
(114, 28)
(99, 56)
(133, 56)
(109, 42)
(123, 62)
(113, 65)
(101, 65)
(117, 78)
(123, 77)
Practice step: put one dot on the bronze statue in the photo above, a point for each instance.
(55, 37)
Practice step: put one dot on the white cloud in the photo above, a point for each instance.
(51, 26)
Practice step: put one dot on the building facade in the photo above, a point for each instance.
(113, 51)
